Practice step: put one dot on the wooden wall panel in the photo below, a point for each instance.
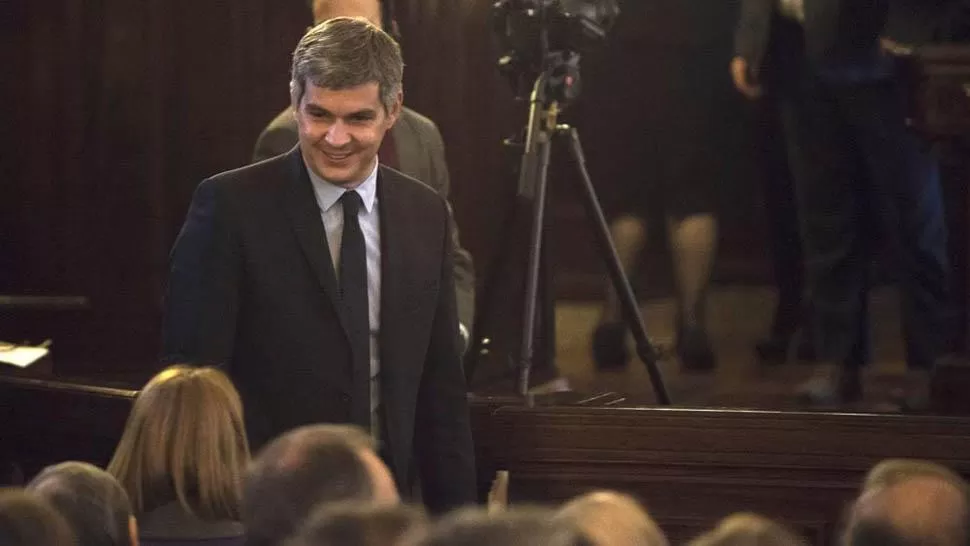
(119, 109)
(692, 468)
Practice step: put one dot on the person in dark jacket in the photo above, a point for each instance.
(855, 160)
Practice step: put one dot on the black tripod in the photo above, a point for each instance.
(533, 182)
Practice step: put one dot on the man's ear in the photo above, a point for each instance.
(394, 111)
(294, 100)
(133, 530)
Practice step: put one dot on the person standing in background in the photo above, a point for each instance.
(844, 111)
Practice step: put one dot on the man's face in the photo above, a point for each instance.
(341, 131)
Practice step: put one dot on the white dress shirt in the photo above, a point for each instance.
(328, 196)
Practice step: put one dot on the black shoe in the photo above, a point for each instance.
(609, 345)
(694, 349)
(804, 351)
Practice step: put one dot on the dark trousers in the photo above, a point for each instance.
(784, 239)
(856, 162)
(793, 311)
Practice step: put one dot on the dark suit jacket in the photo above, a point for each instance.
(252, 287)
(841, 37)
(421, 155)
(838, 34)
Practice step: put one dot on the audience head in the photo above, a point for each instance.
(306, 467)
(329, 9)
(91, 500)
(27, 520)
(608, 518)
(362, 524)
(893, 471)
(185, 442)
(921, 510)
(516, 527)
(745, 529)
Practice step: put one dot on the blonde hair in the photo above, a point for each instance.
(609, 518)
(185, 441)
(747, 529)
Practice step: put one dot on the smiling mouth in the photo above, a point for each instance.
(338, 157)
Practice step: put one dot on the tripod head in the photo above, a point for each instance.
(541, 40)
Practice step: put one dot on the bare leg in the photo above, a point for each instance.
(693, 240)
(692, 243)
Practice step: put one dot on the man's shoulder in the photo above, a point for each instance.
(284, 121)
(419, 123)
(263, 176)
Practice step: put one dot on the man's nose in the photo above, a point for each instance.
(337, 134)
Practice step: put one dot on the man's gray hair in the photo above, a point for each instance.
(346, 52)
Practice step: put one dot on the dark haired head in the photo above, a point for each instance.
(361, 524)
(301, 469)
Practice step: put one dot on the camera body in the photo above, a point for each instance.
(546, 37)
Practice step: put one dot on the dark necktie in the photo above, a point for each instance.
(353, 294)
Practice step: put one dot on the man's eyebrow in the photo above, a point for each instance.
(366, 112)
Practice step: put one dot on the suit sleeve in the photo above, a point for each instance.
(753, 31)
(203, 289)
(464, 267)
(443, 440)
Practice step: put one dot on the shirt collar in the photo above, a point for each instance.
(328, 194)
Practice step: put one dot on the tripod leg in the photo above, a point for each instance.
(621, 284)
(542, 151)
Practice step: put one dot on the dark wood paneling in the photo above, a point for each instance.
(692, 467)
(118, 110)
(45, 421)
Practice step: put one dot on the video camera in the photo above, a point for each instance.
(539, 37)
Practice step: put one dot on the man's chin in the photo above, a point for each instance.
(340, 176)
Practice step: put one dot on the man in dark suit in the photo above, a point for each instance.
(323, 280)
(413, 146)
(854, 158)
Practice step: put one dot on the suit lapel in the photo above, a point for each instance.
(301, 207)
